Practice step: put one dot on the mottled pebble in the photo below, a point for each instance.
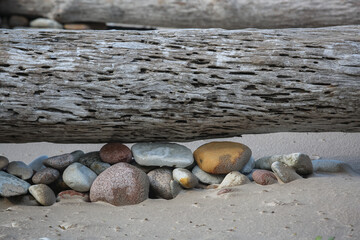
(115, 152)
(45, 23)
(162, 184)
(79, 177)
(264, 177)
(73, 195)
(99, 167)
(46, 176)
(3, 162)
(233, 179)
(186, 178)
(207, 178)
(11, 185)
(285, 173)
(61, 162)
(89, 158)
(20, 169)
(43, 194)
(38, 163)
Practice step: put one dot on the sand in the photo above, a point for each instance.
(322, 205)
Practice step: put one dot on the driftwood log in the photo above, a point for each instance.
(228, 14)
(177, 85)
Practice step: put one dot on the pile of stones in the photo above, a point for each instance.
(120, 176)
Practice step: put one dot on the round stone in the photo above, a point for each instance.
(264, 177)
(207, 178)
(79, 177)
(3, 162)
(120, 184)
(11, 185)
(222, 157)
(46, 176)
(20, 169)
(43, 194)
(186, 178)
(233, 179)
(162, 184)
(45, 23)
(115, 152)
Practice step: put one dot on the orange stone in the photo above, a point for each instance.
(222, 157)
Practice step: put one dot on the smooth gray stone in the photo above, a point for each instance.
(79, 177)
(249, 166)
(98, 167)
(62, 161)
(285, 173)
(4, 161)
(38, 163)
(162, 154)
(207, 178)
(89, 158)
(45, 23)
(162, 184)
(43, 194)
(20, 169)
(11, 185)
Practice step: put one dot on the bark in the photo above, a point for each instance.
(177, 85)
(228, 14)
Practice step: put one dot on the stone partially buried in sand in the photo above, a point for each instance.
(115, 152)
(43, 194)
(264, 177)
(285, 173)
(233, 179)
(162, 184)
(11, 185)
(207, 178)
(79, 177)
(222, 157)
(120, 184)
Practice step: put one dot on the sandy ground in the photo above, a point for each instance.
(322, 205)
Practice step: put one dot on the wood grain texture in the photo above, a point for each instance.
(228, 14)
(176, 85)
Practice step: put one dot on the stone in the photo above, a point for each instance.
(120, 184)
(249, 175)
(85, 26)
(264, 177)
(18, 21)
(45, 23)
(25, 200)
(162, 154)
(73, 195)
(233, 179)
(3, 162)
(59, 185)
(46, 176)
(43, 194)
(299, 161)
(285, 173)
(98, 167)
(89, 158)
(20, 169)
(207, 178)
(12, 186)
(332, 166)
(222, 157)
(162, 184)
(79, 177)
(185, 178)
(38, 163)
(61, 162)
(249, 166)
(115, 152)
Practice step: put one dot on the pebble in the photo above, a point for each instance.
(115, 152)
(38, 163)
(99, 167)
(233, 179)
(79, 177)
(249, 175)
(85, 26)
(25, 200)
(3, 162)
(45, 23)
(185, 178)
(285, 173)
(59, 185)
(120, 184)
(43, 194)
(46, 176)
(264, 177)
(20, 169)
(207, 177)
(73, 195)
(324, 165)
(162, 184)
(249, 166)
(222, 157)
(162, 154)
(11, 185)
(89, 158)
(61, 162)
(299, 161)
(18, 21)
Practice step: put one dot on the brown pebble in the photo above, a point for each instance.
(115, 152)
(264, 177)
(46, 176)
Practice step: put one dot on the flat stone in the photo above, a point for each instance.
(120, 184)
(249, 166)
(46, 176)
(43, 194)
(3, 162)
(115, 152)
(162, 154)
(299, 161)
(264, 177)
(45, 23)
(11, 185)
(185, 178)
(99, 167)
(222, 157)
(207, 178)
(233, 179)
(73, 195)
(61, 162)
(285, 173)
(332, 166)
(38, 163)
(79, 177)
(162, 184)
(20, 169)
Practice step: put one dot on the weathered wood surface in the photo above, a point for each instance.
(179, 85)
(228, 14)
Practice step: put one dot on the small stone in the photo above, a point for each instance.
(79, 177)
(222, 157)
(61, 162)
(43, 194)
(20, 169)
(11, 185)
(207, 177)
(299, 161)
(85, 26)
(162, 184)
(73, 195)
(186, 178)
(285, 173)
(115, 152)
(45, 23)
(18, 21)
(89, 158)
(233, 179)
(264, 177)
(99, 167)
(162, 154)
(46, 176)
(248, 167)
(38, 163)
(3, 162)
(120, 184)
(333, 166)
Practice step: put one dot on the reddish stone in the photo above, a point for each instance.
(115, 152)
(72, 194)
(264, 177)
